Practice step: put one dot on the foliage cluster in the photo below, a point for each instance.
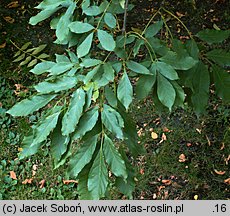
(87, 93)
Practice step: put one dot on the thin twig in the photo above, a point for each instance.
(125, 17)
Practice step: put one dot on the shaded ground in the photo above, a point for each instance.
(193, 158)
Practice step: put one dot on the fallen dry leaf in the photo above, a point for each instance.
(165, 129)
(163, 137)
(198, 130)
(13, 4)
(189, 144)
(3, 45)
(42, 183)
(227, 159)
(142, 171)
(167, 181)
(209, 142)
(219, 172)
(222, 146)
(27, 181)
(9, 19)
(66, 182)
(13, 175)
(196, 197)
(182, 158)
(179, 14)
(227, 181)
(154, 135)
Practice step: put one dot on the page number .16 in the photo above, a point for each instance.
(220, 208)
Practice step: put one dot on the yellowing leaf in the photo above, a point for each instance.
(13, 175)
(20, 149)
(154, 135)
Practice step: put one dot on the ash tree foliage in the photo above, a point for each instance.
(88, 91)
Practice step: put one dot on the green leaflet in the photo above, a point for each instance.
(27, 149)
(39, 49)
(45, 127)
(137, 46)
(87, 63)
(106, 40)
(88, 99)
(86, 123)
(200, 83)
(104, 75)
(110, 96)
(144, 86)
(59, 143)
(28, 106)
(73, 57)
(112, 120)
(220, 57)
(130, 133)
(192, 49)
(125, 91)
(222, 82)
(44, 14)
(62, 31)
(85, 46)
(83, 156)
(82, 186)
(167, 70)
(91, 74)
(113, 158)
(74, 112)
(165, 91)
(213, 36)
(180, 95)
(60, 84)
(50, 3)
(60, 68)
(85, 4)
(153, 29)
(64, 156)
(98, 177)
(137, 67)
(92, 11)
(62, 59)
(110, 20)
(126, 186)
(178, 62)
(80, 27)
